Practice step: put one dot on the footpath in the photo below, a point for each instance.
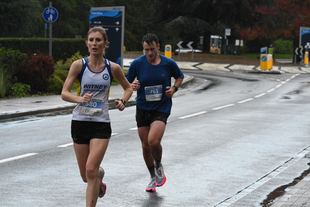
(10, 109)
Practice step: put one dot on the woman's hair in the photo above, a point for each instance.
(98, 29)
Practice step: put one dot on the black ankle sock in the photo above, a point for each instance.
(157, 162)
(151, 170)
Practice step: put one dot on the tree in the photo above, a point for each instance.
(282, 20)
(19, 18)
(193, 18)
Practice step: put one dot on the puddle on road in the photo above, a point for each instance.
(280, 191)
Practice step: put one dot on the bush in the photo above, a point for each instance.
(10, 59)
(36, 71)
(74, 57)
(67, 64)
(62, 74)
(20, 90)
(55, 85)
(63, 48)
(283, 46)
(5, 80)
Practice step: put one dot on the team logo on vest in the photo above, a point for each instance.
(105, 76)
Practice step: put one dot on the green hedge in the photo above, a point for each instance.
(62, 48)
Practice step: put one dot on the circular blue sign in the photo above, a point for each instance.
(264, 58)
(50, 14)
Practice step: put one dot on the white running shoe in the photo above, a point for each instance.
(160, 177)
(151, 187)
(103, 186)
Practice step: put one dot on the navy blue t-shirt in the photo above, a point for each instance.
(153, 82)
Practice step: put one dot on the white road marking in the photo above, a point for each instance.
(221, 107)
(260, 95)
(250, 99)
(17, 157)
(191, 115)
(271, 90)
(65, 145)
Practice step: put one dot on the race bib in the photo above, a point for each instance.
(93, 108)
(153, 93)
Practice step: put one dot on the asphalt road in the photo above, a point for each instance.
(232, 138)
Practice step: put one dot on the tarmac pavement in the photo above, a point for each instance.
(10, 109)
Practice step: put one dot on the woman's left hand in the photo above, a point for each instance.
(119, 105)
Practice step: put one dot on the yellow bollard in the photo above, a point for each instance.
(306, 58)
(263, 62)
(269, 62)
(168, 51)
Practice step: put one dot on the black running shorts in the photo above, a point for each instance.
(146, 117)
(83, 131)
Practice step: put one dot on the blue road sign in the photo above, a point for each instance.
(50, 14)
(112, 20)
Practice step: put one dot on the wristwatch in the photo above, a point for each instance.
(123, 101)
(176, 88)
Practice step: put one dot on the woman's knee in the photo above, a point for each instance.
(91, 172)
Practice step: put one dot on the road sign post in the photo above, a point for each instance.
(189, 45)
(180, 47)
(50, 15)
(227, 33)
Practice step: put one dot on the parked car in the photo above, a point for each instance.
(186, 50)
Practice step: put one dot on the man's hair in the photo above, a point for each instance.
(149, 38)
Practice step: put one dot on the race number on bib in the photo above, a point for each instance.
(153, 93)
(93, 108)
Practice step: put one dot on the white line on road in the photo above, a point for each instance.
(221, 107)
(66, 145)
(17, 157)
(271, 90)
(278, 85)
(191, 115)
(260, 95)
(250, 99)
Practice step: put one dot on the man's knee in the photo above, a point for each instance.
(154, 143)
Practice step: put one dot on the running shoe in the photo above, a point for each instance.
(103, 186)
(160, 177)
(151, 187)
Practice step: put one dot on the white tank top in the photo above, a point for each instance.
(97, 83)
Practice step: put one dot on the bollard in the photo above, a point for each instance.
(168, 52)
(263, 62)
(269, 62)
(306, 58)
(263, 58)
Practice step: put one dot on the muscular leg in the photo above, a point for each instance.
(150, 139)
(89, 166)
(147, 154)
(156, 133)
